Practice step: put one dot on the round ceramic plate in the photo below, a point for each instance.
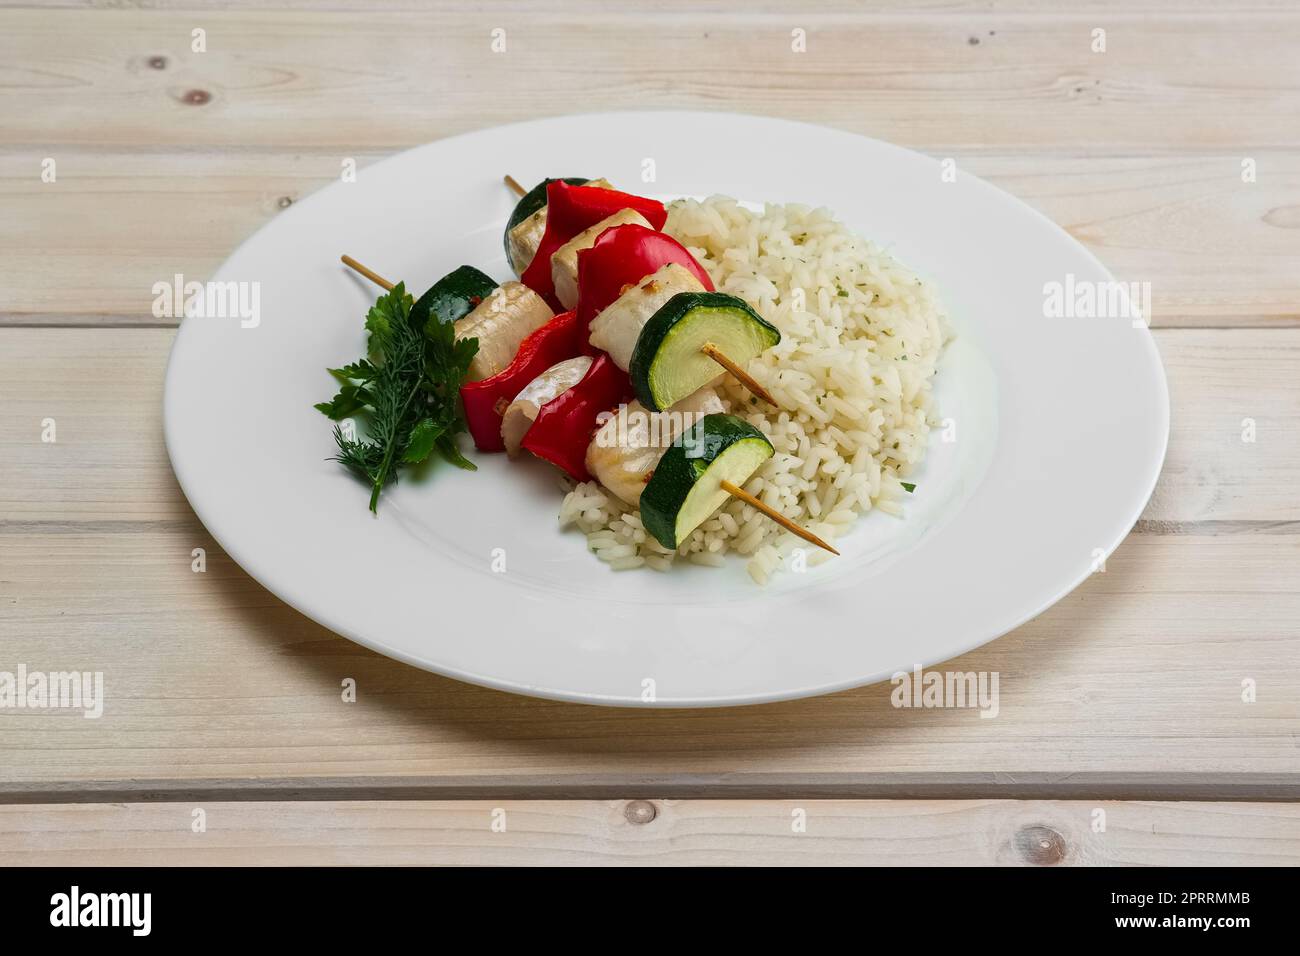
(1054, 431)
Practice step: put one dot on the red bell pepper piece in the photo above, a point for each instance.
(622, 257)
(565, 424)
(569, 211)
(486, 400)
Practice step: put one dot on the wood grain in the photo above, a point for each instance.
(655, 833)
(209, 678)
(87, 249)
(356, 80)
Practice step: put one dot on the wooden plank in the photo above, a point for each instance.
(87, 249)
(1221, 385)
(929, 8)
(353, 80)
(209, 678)
(109, 470)
(654, 833)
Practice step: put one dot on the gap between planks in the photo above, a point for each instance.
(1098, 785)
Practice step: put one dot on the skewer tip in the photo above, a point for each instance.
(370, 274)
(776, 516)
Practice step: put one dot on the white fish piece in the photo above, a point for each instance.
(524, 239)
(617, 327)
(526, 236)
(522, 412)
(626, 449)
(564, 261)
(500, 322)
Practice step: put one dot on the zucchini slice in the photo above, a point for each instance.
(452, 297)
(667, 364)
(686, 487)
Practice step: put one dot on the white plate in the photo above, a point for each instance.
(1061, 427)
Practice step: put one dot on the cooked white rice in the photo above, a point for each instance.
(852, 375)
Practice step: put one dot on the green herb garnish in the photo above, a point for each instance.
(908, 486)
(408, 385)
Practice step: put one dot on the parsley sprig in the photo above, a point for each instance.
(408, 386)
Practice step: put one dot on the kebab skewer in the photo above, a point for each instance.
(680, 485)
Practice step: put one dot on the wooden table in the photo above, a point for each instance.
(1127, 696)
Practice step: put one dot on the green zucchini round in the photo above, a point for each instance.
(667, 364)
(452, 297)
(686, 487)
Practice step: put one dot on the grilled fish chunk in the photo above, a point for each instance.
(627, 447)
(522, 412)
(564, 262)
(500, 322)
(619, 324)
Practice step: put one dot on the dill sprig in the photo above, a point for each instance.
(408, 386)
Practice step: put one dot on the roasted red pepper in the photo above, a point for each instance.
(569, 211)
(622, 257)
(487, 400)
(565, 424)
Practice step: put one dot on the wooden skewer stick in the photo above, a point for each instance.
(782, 520)
(715, 353)
(726, 363)
(514, 184)
(374, 277)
